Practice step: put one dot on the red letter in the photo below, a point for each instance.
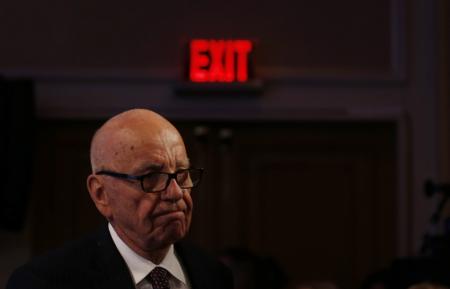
(216, 72)
(243, 48)
(229, 62)
(198, 61)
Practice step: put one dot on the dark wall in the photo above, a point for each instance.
(306, 35)
(320, 193)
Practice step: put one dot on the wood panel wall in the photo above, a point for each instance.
(444, 87)
(319, 198)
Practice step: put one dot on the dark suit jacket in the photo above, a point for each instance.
(95, 263)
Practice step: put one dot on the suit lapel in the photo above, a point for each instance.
(193, 266)
(113, 271)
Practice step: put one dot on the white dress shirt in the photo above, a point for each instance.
(140, 267)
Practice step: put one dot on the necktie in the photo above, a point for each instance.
(159, 278)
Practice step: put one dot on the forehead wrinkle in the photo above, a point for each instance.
(111, 147)
(169, 146)
(162, 150)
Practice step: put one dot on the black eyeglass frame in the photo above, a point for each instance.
(141, 177)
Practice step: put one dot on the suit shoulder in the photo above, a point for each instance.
(201, 265)
(59, 264)
(190, 252)
(71, 254)
(23, 278)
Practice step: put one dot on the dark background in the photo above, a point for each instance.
(323, 169)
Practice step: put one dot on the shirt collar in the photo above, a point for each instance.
(140, 267)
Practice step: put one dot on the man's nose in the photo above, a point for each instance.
(173, 192)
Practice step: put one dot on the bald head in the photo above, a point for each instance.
(121, 137)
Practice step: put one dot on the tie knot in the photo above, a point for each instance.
(159, 278)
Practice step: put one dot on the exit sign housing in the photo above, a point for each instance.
(220, 67)
(225, 61)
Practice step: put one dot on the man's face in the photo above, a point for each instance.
(149, 221)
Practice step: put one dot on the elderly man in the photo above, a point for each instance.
(141, 183)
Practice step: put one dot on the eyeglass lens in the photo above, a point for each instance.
(159, 181)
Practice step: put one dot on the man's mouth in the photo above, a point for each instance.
(168, 213)
(168, 217)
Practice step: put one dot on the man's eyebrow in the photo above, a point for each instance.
(151, 168)
(155, 167)
(183, 164)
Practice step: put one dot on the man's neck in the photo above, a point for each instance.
(156, 256)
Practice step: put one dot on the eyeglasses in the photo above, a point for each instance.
(155, 182)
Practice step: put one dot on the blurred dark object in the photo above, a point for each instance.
(17, 119)
(434, 243)
(432, 188)
(253, 272)
(410, 271)
(317, 285)
(428, 285)
(433, 263)
(407, 272)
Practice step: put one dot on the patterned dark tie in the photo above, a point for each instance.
(159, 278)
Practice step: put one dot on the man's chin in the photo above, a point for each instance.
(172, 232)
(175, 230)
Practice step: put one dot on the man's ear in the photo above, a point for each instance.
(98, 195)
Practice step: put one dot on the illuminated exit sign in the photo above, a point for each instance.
(219, 61)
